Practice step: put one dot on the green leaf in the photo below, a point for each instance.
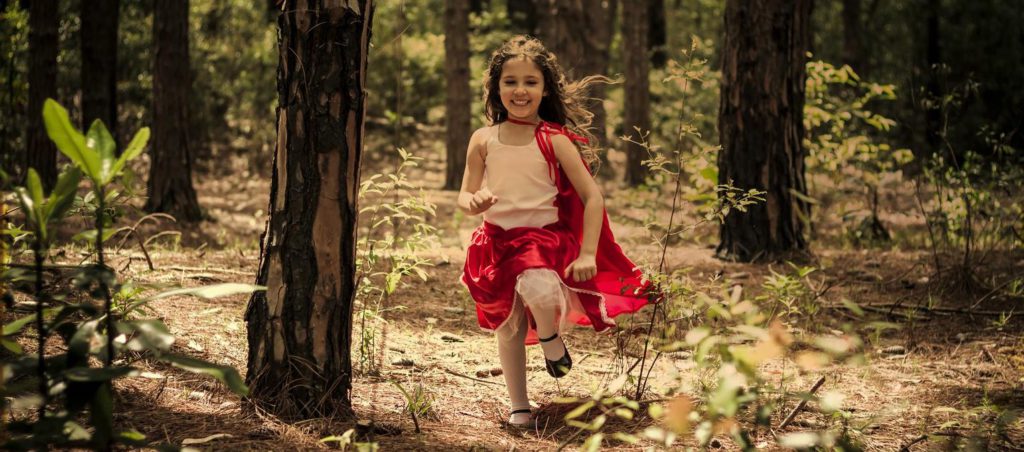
(710, 174)
(853, 307)
(133, 150)
(98, 138)
(81, 342)
(800, 440)
(76, 432)
(89, 235)
(12, 346)
(35, 187)
(28, 206)
(148, 335)
(132, 438)
(578, 411)
(69, 140)
(226, 374)
(83, 374)
(593, 443)
(102, 416)
(16, 326)
(63, 195)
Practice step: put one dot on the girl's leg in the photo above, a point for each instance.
(542, 292)
(512, 353)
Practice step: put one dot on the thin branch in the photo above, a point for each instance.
(800, 406)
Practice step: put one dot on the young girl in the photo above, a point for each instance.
(544, 257)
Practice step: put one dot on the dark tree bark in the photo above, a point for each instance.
(170, 172)
(637, 87)
(853, 43)
(761, 125)
(933, 58)
(479, 6)
(99, 63)
(579, 34)
(299, 330)
(41, 154)
(456, 61)
(657, 33)
(523, 16)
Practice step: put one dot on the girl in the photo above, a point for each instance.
(544, 256)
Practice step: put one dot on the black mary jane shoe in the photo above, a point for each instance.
(559, 367)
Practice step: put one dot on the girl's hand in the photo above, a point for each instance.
(482, 200)
(582, 269)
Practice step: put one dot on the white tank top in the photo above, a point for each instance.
(518, 176)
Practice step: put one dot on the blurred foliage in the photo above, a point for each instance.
(978, 40)
(845, 144)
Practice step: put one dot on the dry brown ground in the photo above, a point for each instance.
(951, 360)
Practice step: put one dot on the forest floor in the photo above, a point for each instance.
(945, 373)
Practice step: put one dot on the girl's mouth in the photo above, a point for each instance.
(520, 102)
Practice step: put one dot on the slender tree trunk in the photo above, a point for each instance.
(399, 77)
(853, 48)
(456, 61)
(479, 6)
(761, 125)
(41, 154)
(524, 15)
(657, 33)
(170, 172)
(637, 87)
(577, 32)
(933, 58)
(99, 63)
(299, 330)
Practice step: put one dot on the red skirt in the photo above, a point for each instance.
(496, 257)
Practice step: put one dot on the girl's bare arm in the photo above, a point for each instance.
(472, 199)
(593, 206)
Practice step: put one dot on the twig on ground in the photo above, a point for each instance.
(468, 377)
(884, 308)
(995, 290)
(800, 406)
(989, 355)
(209, 269)
(906, 447)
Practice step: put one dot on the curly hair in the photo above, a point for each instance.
(566, 103)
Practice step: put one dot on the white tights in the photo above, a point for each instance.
(542, 292)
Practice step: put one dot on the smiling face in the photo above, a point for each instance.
(521, 88)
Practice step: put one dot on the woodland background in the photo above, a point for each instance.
(897, 278)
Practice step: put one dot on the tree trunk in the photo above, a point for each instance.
(761, 125)
(933, 58)
(637, 87)
(41, 153)
(99, 63)
(479, 6)
(170, 172)
(657, 34)
(299, 330)
(524, 15)
(577, 32)
(456, 61)
(853, 48)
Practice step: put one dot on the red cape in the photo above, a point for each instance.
(496, 257)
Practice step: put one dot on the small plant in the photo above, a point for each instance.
(62, 385)
(843, 144)
(419, 403)
(968, 200)
(347, 441)
(398, 229)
